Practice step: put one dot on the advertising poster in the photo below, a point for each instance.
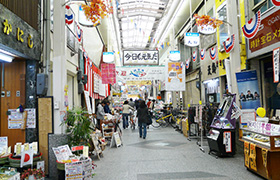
(248, 88)
(74, 170)
(15, 119)
(3, 144)
(175, 77)
(31, 118)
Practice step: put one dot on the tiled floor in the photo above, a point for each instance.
(166, 154)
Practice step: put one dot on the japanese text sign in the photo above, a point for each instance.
(140, 58)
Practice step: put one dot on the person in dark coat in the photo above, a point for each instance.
(142, 114)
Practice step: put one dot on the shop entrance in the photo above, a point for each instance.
(12, 95)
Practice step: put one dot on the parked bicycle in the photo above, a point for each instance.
(161, 120)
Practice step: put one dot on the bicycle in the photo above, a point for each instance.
(164, 121)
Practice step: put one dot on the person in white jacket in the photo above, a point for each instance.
(125, 113)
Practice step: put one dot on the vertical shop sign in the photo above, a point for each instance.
(275, 65)
(175, 78)
(248, 88)
(253, 162)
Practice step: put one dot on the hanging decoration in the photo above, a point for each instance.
(187, 63)
(275, 2)
(251, 28)
(79, 32)
(194, 56)
(213, 52)
(202, 54)
(97, 10)
(69, 17)
(206, 20)
(229, 43)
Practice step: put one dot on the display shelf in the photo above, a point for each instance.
(271, 145)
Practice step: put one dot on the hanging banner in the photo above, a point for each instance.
(253, 160)
(251, 28)
(108, 73)
(141, 83)
(194, 56)
(192, 39)
(202, 54)
(248, 88)
(140, 58)
(188, 63)
(275, 65)
(174, 56)
(175, 78)
(275, 2)
(213, 52)
(247, 154)
(229, 43)
(69, 15)
(140, 73)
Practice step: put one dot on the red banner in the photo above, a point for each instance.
(108, 73)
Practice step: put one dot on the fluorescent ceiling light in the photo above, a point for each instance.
(4, 57)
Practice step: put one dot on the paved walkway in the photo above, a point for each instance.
(166, 154)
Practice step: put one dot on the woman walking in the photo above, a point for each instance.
(143, 115)
(125, 113)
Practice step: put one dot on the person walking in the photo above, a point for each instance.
(100, 114)
(125, 113)
(143, 115)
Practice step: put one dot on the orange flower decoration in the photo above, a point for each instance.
(97, 10)
(207, 20)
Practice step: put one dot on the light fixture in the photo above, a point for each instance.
(5, 57)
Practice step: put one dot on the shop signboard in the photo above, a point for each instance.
(108, 57)
(175, 76)
(140, 58)
(248, 88)
(174, 56)
(137, 73)
(192, 39)
(268, 36)
(17, 36)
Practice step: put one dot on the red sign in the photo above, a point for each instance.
(77, 148)
(108, 73)
(268, 34)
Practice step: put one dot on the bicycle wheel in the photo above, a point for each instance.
(155, 124)
(164, 122)
(172, 122)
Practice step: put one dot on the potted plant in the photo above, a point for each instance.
(31, 174)
(78, 127)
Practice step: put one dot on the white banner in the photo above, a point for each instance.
(140, 58)
(140, 73)
(175, 76)
(276, 65)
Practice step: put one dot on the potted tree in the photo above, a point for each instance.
(78, 127)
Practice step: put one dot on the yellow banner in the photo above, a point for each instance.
(253, 162)
(146, 82)
(264, 157)
(246, 154)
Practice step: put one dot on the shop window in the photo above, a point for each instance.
(262, 5)
(223, 29)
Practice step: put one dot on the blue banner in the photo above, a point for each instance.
(248, 88)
